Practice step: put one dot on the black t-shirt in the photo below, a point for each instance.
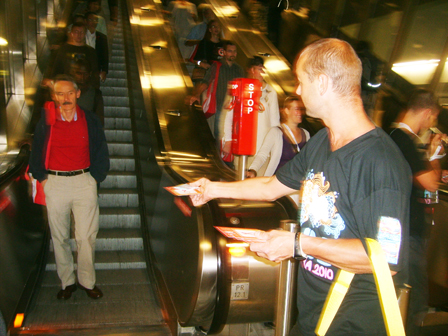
(358, 191)
(68, 54)
(207, 51)
(418, 164)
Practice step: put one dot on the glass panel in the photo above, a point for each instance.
(4, 57)
(423, 47)
(376, 22)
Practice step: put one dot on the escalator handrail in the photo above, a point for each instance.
(18, 167)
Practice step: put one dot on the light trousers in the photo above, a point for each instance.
(77, 194)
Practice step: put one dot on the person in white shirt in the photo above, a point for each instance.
(97, 41)
(268, 113)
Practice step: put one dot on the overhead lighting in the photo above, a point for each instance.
(3, 42)
(227, 11)
(417, 72)
(423, 63)
(275, 65)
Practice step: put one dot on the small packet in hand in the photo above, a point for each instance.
(184, 190)
(246, 235)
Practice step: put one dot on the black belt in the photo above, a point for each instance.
(68, 173)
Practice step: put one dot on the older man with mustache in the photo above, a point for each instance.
(70, 157)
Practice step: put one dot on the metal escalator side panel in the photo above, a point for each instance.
(185, 255)
(247, 282)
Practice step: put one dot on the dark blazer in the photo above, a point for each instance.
(102, 51)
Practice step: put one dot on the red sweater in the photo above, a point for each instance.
(69, 144)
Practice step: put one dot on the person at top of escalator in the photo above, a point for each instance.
(421, 114)
(355, 185)
(183, 19)
(197, 33)
(207, 51)
(98, 41)
(68, 53)
(95, 7)
(70, 157)
(222, 72)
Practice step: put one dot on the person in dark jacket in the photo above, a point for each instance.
(98, 41)
(69, 158)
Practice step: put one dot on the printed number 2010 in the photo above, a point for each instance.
(323, 272)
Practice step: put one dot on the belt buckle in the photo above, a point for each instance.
(72, 173)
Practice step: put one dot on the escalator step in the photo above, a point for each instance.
(107, 260)
(115, 82)
(118, 92)
(117, 66)
(118, 135)
(120, 180)
(117, 74)
(118, 50)
(120, 148)
(126, 218)
(116, 101)
(117, 111)
(126, 198)
(122, 163)
(116, 239)
(117, 123)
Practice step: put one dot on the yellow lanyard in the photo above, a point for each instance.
(384, 285)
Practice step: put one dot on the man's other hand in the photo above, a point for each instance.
(445, 176)
(227, 147)
(204, 197)
(251, 173)
(103, 76)
(47, 82)
(191, 99)
(277, 246)
(43, 183)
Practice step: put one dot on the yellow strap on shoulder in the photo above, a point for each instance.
(384, 285)
(334, 299)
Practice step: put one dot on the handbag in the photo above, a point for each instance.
(209, 104)
(225, 157)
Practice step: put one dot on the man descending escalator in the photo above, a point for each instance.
(69, 158)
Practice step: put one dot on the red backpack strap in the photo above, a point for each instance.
(218, 65)
(194, 53)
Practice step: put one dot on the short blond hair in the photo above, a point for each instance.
(336, 59)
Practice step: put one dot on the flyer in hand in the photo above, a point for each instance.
(184, 190)
(246, 235)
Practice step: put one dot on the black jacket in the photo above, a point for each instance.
(102, 51)
(99, 153)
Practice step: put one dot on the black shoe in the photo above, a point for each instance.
(94, 293)
(65, 294)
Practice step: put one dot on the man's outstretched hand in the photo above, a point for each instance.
(204, 197)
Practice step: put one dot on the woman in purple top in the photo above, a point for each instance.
(281, 144)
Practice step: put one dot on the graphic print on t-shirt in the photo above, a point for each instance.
(319, 217)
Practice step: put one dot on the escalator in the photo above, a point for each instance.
(121, 268)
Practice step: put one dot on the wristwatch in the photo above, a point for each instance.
(198, 63)
(298, 253)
